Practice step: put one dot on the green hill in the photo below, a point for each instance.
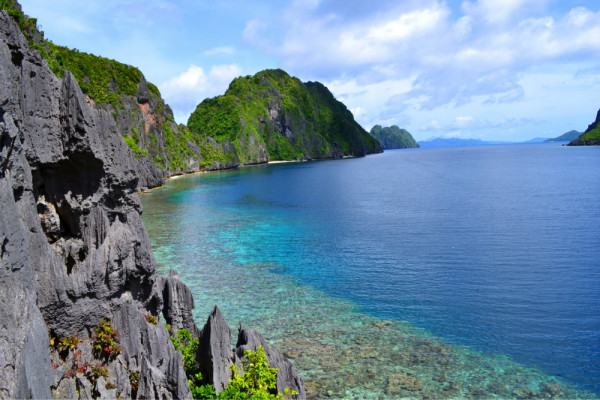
(273, 116)
(591, 137)
(393, 137)
(565, 137)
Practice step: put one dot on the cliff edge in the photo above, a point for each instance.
(79, 292)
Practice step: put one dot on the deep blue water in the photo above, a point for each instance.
(496, 248)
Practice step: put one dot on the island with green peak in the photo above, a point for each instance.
(392, 137)
(274, 116)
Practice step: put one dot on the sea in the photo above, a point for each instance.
(465, 272)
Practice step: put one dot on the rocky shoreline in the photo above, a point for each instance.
(76, 258)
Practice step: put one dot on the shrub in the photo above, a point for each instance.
(106, 341)
(151, 319)
(255, 380)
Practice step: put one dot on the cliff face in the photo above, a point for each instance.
(393, 137)
(161, 148)
(272, 116)
(74, 255)
(591, 137)
(74, 250)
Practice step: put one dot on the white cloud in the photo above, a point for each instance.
(502, 11)
(219, 51)
(358, 112)
(442, 59)
(186, 90)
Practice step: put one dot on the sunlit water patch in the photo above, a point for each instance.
(329, 273)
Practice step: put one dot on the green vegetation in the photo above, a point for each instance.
(393, 137)
(106, 341)
(183, 341)
(254, 380)
(137, 152)
(272, 116)
(102, 79)
(591, 137)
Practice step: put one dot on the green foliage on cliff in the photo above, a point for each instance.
(273, 116)
(102, 79)
(393, 137)
(132, 143)
(591, 137)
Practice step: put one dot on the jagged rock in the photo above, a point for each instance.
(104, 393)
(73, 249)
(66, 390)
(178, 303)
(214, 350)
(287, 375)
(86, 390)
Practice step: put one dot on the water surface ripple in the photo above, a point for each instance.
(490, 255)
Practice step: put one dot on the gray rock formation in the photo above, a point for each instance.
(214, 352)
(73, 249)
(74, 252)
(178, 303)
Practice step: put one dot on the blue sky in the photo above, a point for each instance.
(490, 69)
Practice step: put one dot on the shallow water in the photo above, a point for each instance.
(494, 248)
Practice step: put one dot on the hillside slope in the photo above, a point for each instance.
(392, 137)
(591, 137)
(566, 137)
(160, 147)
(273, 116)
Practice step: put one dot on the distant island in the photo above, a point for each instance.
(566, 137)
(393, 137)
(591, 137)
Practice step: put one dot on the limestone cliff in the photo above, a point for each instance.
(74, 255)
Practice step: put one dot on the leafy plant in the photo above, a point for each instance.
(106, 341)
(68, 343)
(151, 319)
(254, 380)
(134, 380)
(188, 345)
(99, 371)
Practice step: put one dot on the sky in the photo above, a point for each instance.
(506, 70)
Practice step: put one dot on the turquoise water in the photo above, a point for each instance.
(489, 253)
